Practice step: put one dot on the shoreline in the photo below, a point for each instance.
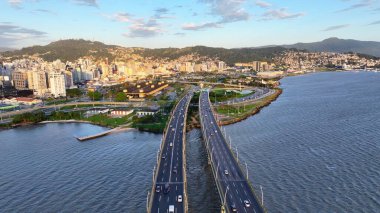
(194, 120)
(229, 121)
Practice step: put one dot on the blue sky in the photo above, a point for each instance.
(169, 23)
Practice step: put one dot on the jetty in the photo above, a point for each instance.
(89, 137)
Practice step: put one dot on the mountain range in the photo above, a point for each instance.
(71, 49)
(340, 46)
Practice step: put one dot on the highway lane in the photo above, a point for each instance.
(234, 188)
(171, 170)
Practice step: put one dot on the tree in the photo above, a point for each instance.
(95, 96)
(72, 93)
(120, 97)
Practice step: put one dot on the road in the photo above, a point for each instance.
(258, 94)
(232, 183)
(130, 104)
(171, 169)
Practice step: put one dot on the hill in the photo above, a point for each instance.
(340, 46)
(65, 50)
(71, 50)
(230, 56)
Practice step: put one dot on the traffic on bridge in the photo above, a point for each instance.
(169, 184)
(234, 189)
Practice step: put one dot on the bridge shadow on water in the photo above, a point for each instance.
(202, 192)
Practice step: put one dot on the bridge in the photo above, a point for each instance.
(169, 193)
(235, 191)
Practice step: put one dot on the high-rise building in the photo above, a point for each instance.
(20, 80)
(37, 82)
(57, 84)
(221, 66)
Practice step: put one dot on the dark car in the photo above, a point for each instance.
(167, 188)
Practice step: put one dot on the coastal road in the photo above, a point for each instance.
(130, 104)
(259, 93)
(170, 175)
(232, 183)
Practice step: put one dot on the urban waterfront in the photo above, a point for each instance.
(315, 149)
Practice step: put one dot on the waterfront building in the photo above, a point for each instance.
(57, 84)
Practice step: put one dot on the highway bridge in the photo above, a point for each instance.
(235, 191)
(169, 192)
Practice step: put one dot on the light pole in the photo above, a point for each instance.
(225, 196)
(246, 167)
(217, 168)
(154, 169)
(237, 154)
(262, 196)
(147, 202)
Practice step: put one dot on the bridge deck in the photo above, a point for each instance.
(231, 182)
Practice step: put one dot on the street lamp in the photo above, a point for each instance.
(225, 196)
(246, 167)
(237, 154)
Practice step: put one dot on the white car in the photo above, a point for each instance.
(247, 203)
(171, 144)
(226, 172)
(179, 199)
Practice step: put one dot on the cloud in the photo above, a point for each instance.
(361, 4)
(263, 4)
(336, 27)
(43, 11)
(375, 23)
(179, 34)
(141, 28)
(196, 27)
(280, 14)
(123, 17)
(11, 34)
(15, 3)
(92, 3)
(228, 10)
(161, 13)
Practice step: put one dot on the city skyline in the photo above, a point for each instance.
(155, 24)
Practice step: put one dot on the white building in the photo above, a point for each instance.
(57, 84)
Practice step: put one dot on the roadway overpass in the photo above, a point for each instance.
(235, 191)
(169, 176)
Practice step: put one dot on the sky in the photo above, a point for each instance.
(169, 23)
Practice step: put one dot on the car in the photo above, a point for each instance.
(163, 156)
(175, 169)
(171, 209)
(158, 188)
(226, 172)
(247, 203)
(173, 129)
(179, 199)
(233, 208)
(171, 144)
(216, 131)
(167, 188)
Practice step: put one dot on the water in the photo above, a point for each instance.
(316, 149)
(44, 169)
